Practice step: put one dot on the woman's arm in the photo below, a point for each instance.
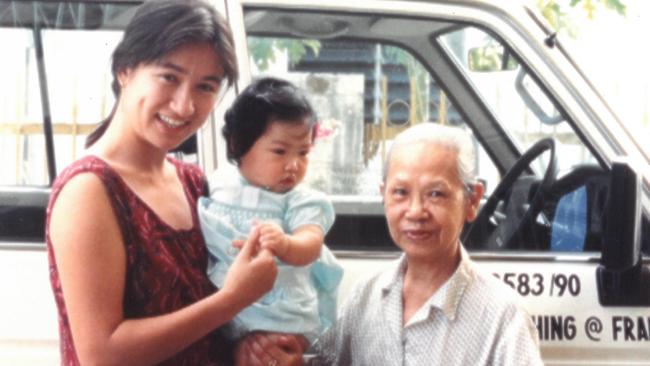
(91, 261)
(299, 248)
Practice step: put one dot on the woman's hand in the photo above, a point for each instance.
(271, 349)
(299, 248)
(253, 272)
(271, 237)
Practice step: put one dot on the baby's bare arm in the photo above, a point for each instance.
(298, 248)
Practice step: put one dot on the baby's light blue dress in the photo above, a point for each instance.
(303, 299)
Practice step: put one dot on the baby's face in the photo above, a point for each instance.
(278, 160)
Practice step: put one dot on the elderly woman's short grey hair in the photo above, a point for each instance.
(450, 137)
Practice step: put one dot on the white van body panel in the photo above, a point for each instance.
(559, 290)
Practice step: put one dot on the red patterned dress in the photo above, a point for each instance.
(165, 267)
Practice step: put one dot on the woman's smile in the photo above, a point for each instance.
(170, 122)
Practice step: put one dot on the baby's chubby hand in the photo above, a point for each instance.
(298, 248)
(272, 237)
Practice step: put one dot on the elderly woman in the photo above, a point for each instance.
(433, 306)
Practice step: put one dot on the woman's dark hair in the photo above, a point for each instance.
(265, 100)
(158, 28)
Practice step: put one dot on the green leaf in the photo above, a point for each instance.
(616, 5)
(263, 49)
(554, 12)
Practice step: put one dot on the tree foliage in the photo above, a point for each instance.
(555, 11)
(264, 50)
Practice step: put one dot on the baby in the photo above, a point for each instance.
(269, 131)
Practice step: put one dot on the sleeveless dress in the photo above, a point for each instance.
(165, 267)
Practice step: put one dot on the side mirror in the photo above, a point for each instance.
(621, 277)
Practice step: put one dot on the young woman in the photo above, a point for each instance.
(127, 259)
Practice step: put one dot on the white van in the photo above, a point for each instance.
(566, 218)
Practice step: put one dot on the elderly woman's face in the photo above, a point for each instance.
(425, 200)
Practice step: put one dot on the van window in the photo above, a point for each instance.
(523, 108)
(69, 85)
(371, 75)
(364, 93)
(21, 133)
(72, 81)
(56, 78)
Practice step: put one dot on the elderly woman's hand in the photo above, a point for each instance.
(270, 349)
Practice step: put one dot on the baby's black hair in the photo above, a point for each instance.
(264, 101)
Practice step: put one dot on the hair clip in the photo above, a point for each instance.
(322, 132)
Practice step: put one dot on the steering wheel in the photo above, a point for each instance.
(498, 229)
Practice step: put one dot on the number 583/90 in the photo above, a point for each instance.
(536, 284)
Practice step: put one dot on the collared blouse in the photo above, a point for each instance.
(473, 319)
